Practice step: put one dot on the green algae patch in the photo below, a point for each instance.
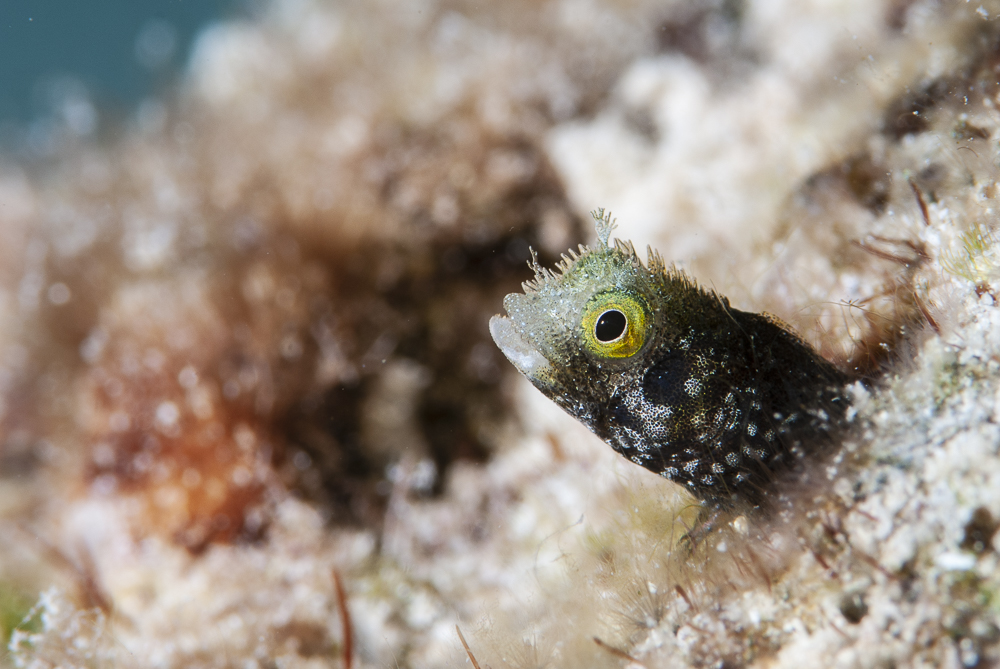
(14, 609)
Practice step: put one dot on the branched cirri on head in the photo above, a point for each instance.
(669, 374)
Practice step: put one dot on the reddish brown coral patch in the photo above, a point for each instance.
(159, 426)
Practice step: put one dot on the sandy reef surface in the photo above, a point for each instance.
(250, 414)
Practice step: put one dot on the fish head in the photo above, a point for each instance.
(579, 331)
(667, 373)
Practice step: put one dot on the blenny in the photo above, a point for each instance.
(668, 373)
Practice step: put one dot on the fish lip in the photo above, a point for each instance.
(516, 348)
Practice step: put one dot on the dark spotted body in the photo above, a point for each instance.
(716, 399)
(723, 410)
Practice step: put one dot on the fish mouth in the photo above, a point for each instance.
(521, 354)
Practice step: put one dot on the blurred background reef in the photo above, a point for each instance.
(248, 399)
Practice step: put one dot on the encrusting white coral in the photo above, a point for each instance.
(211, 329)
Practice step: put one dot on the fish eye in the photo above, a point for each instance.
(615, 324)
(610, 326)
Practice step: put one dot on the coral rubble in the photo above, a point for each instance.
(250, 414)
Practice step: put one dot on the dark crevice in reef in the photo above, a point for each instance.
(913, 112)
(710, 33)
(322, 355)
(418, 380)
(425, 379)
(702, 30)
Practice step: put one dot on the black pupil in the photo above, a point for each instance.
(610, 325)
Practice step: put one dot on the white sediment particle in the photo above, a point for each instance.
(149, 244)
(955, 561)
(233, 60)
(167, 414)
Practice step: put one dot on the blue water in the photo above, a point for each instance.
(115, 52)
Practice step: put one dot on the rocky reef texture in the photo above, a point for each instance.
(250, 415)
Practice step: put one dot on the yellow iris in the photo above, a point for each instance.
(614, 325)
